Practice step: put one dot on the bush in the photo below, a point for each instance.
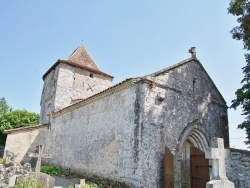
(30, 182)
(2, 160)
(50, 170)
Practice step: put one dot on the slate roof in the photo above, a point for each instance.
(81, 59)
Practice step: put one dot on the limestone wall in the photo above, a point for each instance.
(238, 167)
(47, 97)
(65, 84)
(24, 141)
(122, 133)
(75, 83)
(172, 104)
(100, 137)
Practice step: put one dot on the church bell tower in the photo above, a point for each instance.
(71, 80)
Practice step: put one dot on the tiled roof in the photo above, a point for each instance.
(81, 59)
(25, 128)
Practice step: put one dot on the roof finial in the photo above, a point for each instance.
(193, 52)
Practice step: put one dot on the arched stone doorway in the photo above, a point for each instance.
(194, 167)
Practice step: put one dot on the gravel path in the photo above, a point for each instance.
(65, 183)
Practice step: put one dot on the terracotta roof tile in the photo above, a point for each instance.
(81, 57)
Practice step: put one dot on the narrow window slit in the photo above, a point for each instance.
(194, 84)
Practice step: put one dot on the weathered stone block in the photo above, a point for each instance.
(46, 180)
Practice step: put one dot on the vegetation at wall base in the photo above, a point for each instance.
(2, 160)
(51, 170)
(30, 182)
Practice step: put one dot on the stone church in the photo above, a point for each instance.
(145, 131)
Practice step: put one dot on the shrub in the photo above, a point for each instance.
(92, 185)
(2, 160)
(30, 182)
(50, 170)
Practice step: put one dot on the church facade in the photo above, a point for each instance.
(141, 131)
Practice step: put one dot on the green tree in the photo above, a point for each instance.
(18, 118)
(4, 107)
(241, 9)
(10, 119)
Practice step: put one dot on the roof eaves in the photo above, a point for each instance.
(86, 68)
(25, 128)
(124, 84)
(75, 65)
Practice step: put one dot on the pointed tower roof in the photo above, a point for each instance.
(81, 59)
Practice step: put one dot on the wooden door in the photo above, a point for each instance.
(168, 169)
(199, 168)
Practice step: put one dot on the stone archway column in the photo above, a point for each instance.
(177, 170)
(217, 155)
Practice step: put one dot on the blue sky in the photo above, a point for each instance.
(125, 38)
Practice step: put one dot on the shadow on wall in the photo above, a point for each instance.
(1, 151)
(174, 99)
(25, 141)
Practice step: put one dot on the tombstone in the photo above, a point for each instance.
(216, 154)
(82, 184)
(12, 180)
(46, 180)
(39, 157)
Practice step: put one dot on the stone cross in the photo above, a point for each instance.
(217, 154)
(193, 52)
(39, 157)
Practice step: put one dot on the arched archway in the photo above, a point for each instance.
(191, 147)
(196, 135)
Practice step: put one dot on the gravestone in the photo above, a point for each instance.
(217, 156)
(82, 184)
(10, 170)
(39, 157)
(46, 180)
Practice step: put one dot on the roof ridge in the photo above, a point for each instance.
(182, 63)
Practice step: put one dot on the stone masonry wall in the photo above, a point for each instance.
(172, 103)
(238, 167)
(123, 135)
(25, 141)
(48, 93)
(100, 138)
(75, 83)
(65, 84)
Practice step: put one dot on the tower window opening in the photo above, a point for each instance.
(91, 75)
(194, 84)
